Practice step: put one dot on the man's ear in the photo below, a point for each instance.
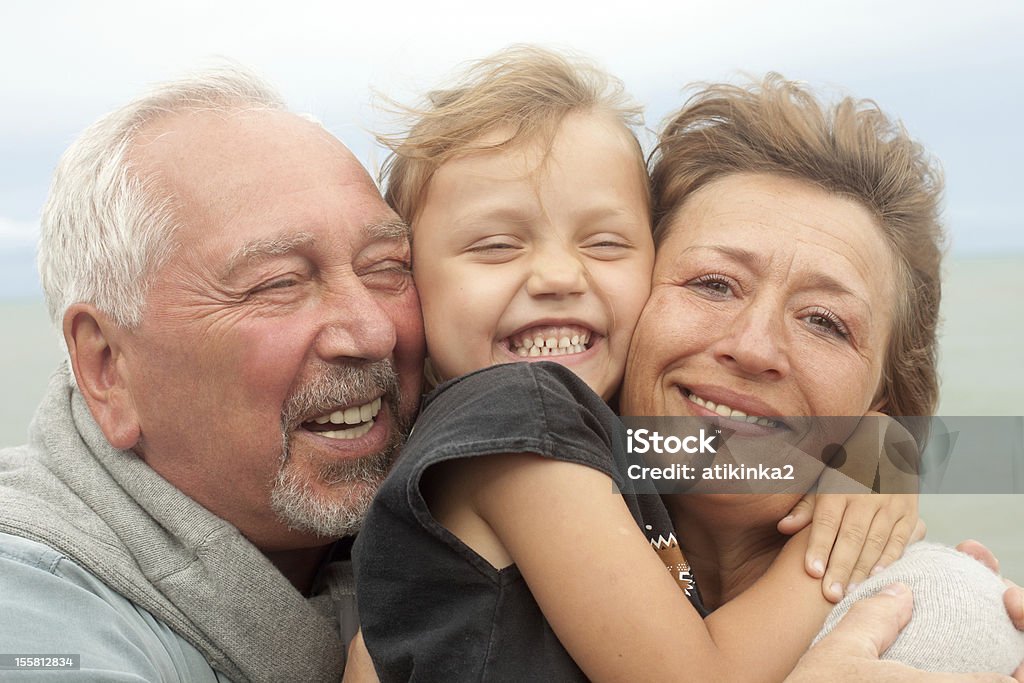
(94, 348)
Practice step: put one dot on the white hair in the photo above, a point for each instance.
(106, 228)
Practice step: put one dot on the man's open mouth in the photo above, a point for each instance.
(345, 423)
(563, 340)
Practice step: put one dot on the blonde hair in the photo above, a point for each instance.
(525, 89)
(850, 149)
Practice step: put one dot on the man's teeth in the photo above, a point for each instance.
(731, 413)
(353, 433)
(550, 344)
(359, 416)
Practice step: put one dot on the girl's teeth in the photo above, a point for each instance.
(556, 343)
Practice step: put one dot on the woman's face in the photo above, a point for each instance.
(770, 297)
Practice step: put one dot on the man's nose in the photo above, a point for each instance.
(355, 326)
(556, 271)
(754, 342)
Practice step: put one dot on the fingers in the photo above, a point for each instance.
(857, 535)
(828, 514)
(871, 625)
(979, 552)
(798, 518)
(1013, 598)
(903, 533)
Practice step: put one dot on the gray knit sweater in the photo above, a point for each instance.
(107, 512)
(959, 622)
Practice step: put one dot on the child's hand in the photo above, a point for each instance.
(855, 535)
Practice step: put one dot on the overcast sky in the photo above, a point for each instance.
(952, 71)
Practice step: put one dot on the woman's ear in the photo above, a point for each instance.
(94, 344)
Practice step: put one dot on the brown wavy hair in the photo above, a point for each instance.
(851, 149)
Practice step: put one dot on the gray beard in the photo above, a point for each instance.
(302, 503)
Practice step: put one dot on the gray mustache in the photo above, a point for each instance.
(340, 385)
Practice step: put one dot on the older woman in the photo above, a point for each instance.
(797, 274)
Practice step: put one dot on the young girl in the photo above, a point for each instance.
(496, 538)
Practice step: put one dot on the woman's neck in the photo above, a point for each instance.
(729, 540)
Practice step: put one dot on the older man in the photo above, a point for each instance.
(245, 348)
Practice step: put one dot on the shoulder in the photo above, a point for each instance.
(514, 400)
(52, 605)
(959, 622)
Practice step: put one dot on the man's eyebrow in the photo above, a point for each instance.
(391, 229)
(262, 248)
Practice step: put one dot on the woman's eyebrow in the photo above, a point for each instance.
(745, 257)
(819, 281)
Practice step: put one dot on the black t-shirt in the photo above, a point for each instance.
(431, 608)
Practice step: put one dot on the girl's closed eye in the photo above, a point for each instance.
(495, 249)
(608, 247)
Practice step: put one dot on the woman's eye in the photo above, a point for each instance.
(828, 322)
(716, 285)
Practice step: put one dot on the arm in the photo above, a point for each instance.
(605, 593)
(51, 605)
(358, 665)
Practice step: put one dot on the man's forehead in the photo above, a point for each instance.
(219, 142)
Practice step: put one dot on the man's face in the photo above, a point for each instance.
(281, 350)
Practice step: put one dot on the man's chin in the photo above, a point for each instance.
(331, 504)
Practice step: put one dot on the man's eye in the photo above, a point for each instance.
(391, 274)
(280, 283)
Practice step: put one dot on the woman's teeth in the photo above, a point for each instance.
(731, 413)
(361, 417)
(535, 345)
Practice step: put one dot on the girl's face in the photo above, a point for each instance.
(529, 253)
(771, 297)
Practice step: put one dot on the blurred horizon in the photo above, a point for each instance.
(947, 70)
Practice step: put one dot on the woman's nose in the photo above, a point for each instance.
(754, 343)
(556, 271)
